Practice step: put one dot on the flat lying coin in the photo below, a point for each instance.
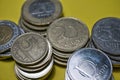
(106, 35)
(41, 12)
(89, 64)
(8, 32)
(29, 48)
(37, 74)
(68, 34)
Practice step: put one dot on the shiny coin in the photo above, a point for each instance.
(8, 32)
(106, 35)
(89, 64)
(68, 34)
(41, 12)
(37, 74)
(29, 48)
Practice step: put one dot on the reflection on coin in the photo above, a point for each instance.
(106, 35)
(41, 12)
(29, 48)
(89, 64)
(68, 34)
(37, 74)
(8, 32)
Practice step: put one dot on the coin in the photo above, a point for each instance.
(61, 54)
(34, 27)
(106, 35)
(60, 59)
(41, 12)
(21, 30)
(26, 29)
(115, 63)
(5, 55)
(68, 34)
(37, 74)
(29, 48)
(8, 32)
(45, 60)
(60, 62)
(89, 64)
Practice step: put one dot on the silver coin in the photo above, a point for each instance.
(41, 12)
(37, 74)
(91, 44)
(105, 35)
(26, 29)
(115, 63)
(66, 76)
(8, 32)
(61, 63)
(68, 34)
(34, 27)
(112, 78)
(45, 60)
(5, 55)
(117, 58)
(61, 54)
(60, 59)
(21, 31)
(89, 64)
(29, 48)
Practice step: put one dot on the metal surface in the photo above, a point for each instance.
(89, 64)
(29, 48)
(68, 34)
(41, 12)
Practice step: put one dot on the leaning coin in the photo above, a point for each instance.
(89, 64)
(29, 48)
(68, 34)
(105, 35)
(8, 32)
(41, 12)
(37, 74)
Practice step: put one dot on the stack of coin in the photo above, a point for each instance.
(37, 15)
(33, 56)
(8, 32)
(89, 64)
(106, 37)
(67, 35)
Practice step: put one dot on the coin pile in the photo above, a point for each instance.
(67, 35)
(37, 15)
(33, 56)
(106, 37)
(89, 64)
(8, 32)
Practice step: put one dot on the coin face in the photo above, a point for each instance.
(89, 64)
(106, 35)
(8, 32)
(29, 48)
(68, 34)
(41, 12)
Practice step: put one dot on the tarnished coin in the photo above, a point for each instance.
(68, 34)
(8, 32)
(26, 29)
(29, 48)
(89, 64)
(41, 12)
(61, 54)
(37, 74)
(106, 35)
(34, 27)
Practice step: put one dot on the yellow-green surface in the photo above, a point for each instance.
(89, 11)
